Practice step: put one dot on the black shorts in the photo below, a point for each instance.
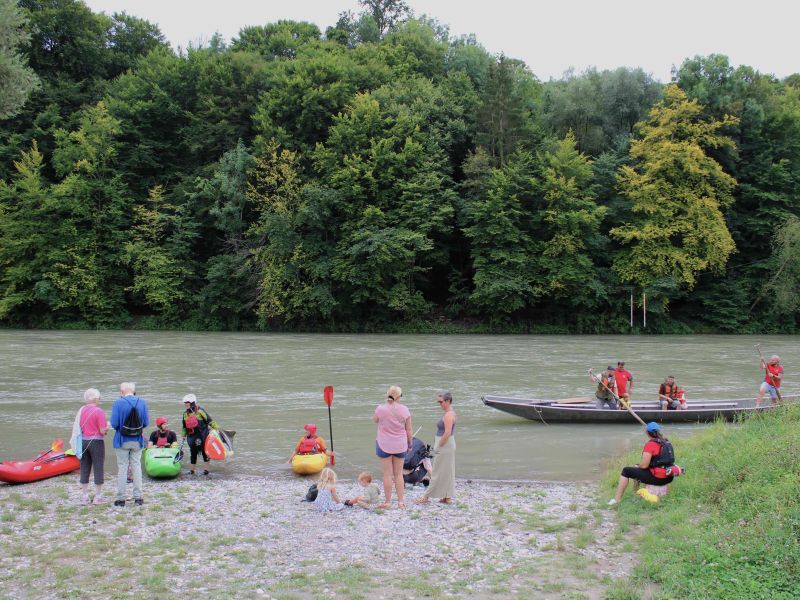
(645, 476)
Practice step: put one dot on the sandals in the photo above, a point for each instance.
(384, 505)
(445, 501)
(422, 500)
(401, 505)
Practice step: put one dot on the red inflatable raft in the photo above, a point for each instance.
(47, 464)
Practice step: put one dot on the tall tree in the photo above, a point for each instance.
(570, 228)
(677, 193)
(17, 79)
(387, 14)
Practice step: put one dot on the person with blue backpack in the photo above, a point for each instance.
(129, 417)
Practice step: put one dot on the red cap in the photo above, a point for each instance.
(310, 428)
(160, 421)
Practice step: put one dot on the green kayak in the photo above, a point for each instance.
(160, 462)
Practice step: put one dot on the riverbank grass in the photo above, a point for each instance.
(730, 527)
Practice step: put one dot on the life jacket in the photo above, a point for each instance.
(670, 390)
(308, 445)
(666, 456)
(602, 383)
(162, 440)
(195, 420)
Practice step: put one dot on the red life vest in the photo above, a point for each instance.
(161, 441)
(670, 390)
(308, 445)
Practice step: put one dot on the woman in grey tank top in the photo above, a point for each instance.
(443, 478)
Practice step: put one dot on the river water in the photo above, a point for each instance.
(266, 386)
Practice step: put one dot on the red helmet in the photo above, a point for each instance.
(160, 421)
(310, 428)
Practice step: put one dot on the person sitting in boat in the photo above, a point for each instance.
(682, 399)
(310, 443)
(657, 466)
(606, 392)
(162, 436)
(668, 394)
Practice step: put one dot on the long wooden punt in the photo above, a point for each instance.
(699, 411)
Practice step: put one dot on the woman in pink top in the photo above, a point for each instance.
(93, 426)
(392, 443)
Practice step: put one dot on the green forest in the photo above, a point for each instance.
(383, 175)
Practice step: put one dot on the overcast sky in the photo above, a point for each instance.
(550, 36)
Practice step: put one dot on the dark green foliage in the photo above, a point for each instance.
(383, 177)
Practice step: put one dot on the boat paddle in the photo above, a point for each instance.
(610, 391)
(56, 446)
(767, 371)
(179, 453)
(327, 394)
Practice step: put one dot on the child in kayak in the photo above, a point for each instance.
(327, 498)
(371, 496)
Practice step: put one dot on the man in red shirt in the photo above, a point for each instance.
(772, 379)
(623, 377)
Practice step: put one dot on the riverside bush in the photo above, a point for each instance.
(730, 527)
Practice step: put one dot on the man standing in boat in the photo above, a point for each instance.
(606, 392)
(624, 381)
(772, 380)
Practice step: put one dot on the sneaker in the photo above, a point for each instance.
(191, 472)
(205, 471)
(138, 501)
(119, 502)
(612, 502)
(99, 499)
(130, 480)
(85, 499)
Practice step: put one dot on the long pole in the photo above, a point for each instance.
(631, 310)
(644, 309)
(617, 398)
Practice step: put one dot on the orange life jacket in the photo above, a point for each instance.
(670, 390)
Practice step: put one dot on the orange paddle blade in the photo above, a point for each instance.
(215, 449)
(57, 445)
(327, 393)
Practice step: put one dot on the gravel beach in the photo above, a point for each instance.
(245, 537)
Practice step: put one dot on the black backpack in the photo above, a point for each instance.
(311, 494)
(665, 458)
(133, 422)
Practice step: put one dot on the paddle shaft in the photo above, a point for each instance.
(767, 371)
(610, 391)
(330, 428)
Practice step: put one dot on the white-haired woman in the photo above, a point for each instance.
(196, 423)
(392, 443)
(91, 426)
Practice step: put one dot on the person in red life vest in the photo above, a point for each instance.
(624, 381)
(162, 436)
(196, 423)
(668, 394)
(310, 443)
(772, 379)
(657, 466)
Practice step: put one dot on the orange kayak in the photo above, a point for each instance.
(43, 466)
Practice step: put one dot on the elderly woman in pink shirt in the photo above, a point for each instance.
(392, 443)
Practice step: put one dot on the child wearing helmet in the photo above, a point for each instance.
(162, 436)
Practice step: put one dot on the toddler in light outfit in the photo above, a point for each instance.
(372, 494)
(327, 498)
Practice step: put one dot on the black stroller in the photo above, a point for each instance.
(417, 463)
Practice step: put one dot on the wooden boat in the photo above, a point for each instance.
(699, 411)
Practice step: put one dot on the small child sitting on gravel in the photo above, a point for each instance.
(372, 495)
(327, 498)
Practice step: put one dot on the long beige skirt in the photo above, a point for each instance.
(443, 478)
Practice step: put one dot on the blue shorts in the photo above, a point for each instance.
(382, 454)
(773, 392)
